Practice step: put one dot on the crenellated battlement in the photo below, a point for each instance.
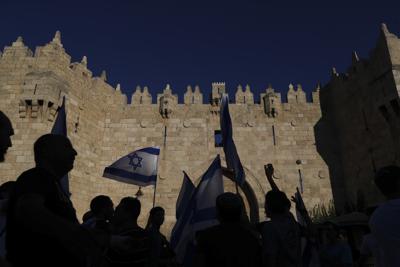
(49, 75)
(384, 57)
(16, 50)
(140, 97)
(193, 97)
(244, 97)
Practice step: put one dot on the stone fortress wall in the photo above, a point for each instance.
(353, 136)
(327, 136)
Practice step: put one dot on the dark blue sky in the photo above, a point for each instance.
(145, 42)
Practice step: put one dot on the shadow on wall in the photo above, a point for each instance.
(353, 148)
(329, 149)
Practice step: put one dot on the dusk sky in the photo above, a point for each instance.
(197, 42)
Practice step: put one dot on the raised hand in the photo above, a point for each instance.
(294, 200)
(269, 172)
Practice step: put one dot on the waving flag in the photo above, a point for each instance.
(138, 168)
(209, 188)
(231, 155)
(300, 208)
(185, 194)
(60, 127)
(199, 214)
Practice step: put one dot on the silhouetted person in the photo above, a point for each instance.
(42, 228)
(281, 235)
(245, 221)
(161, 252)
(335, 252)
(385, 221)
(229, 243)
(5, 192)
(369, 247)
(124, 224)
(6, 131)
(308, 233)
(102, 210)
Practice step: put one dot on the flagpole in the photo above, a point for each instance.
(237, 188)
(154, 195)
(163, 156)
(301, 181)
(155, 185)
(236, 183)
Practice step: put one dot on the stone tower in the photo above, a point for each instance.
(358, 132)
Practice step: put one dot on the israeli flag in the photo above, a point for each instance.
(185, 194)
(138, 168)
(200, 213)
(209, 188)
(231, 155)
(60, 128)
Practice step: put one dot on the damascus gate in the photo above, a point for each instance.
(313, 141)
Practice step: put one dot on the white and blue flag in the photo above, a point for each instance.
(60, 127)
(231, 155)
(185, 195)
(200, 213)
(138, 168)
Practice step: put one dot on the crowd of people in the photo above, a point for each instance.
(39, 226)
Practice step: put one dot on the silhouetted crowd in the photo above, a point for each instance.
(39, 226)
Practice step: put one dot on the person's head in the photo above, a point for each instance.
(156, 217)
(56, 153)
(387, 179)
(276, 202)
(6, 131)
(102, 207)
(127, 211)
(229, 207)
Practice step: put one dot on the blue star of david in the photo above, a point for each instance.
(135, 161)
